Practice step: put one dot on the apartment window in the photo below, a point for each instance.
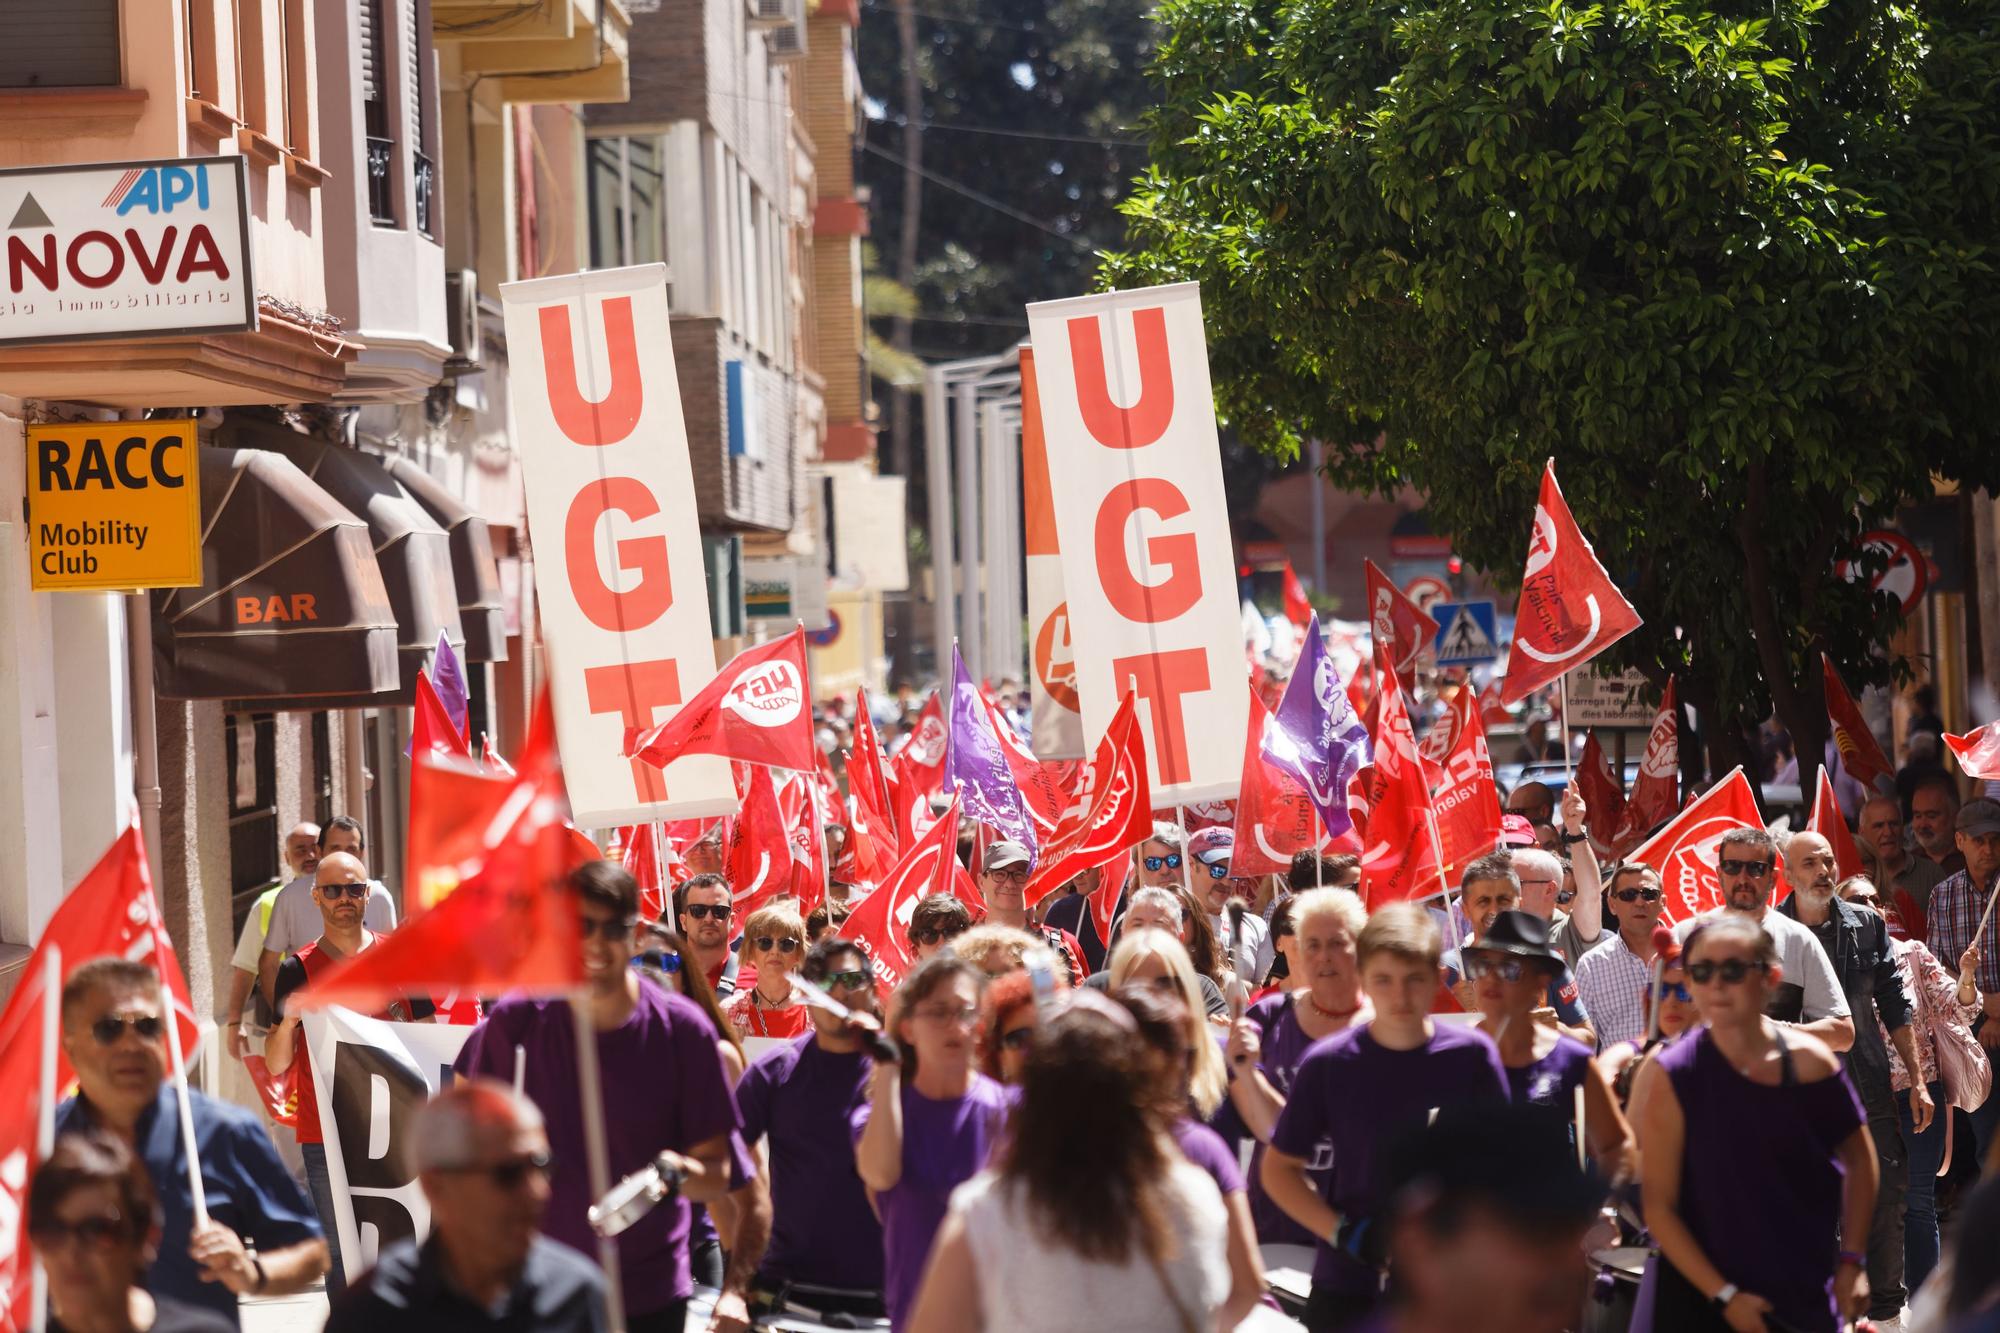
(375, 114)
(252, 753)
(71, 44)
(198, 27)
(416, 64)
(627, 200)
(294, 17)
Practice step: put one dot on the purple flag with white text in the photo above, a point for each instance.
(975, 765)
(1314, 735)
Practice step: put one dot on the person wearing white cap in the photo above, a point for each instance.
(1242, 935)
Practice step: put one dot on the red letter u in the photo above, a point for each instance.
(612, 417)
(1145, 421)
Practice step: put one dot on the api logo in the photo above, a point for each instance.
(159, 189)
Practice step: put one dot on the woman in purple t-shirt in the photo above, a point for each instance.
(1758, 1171)
(929, 1124)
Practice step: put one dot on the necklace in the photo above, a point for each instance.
(1325, 1012)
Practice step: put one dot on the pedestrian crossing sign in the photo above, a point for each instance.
(1466, 633)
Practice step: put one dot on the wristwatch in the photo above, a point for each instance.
(1572, 839)
(1723, 1297)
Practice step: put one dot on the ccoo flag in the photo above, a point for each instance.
(1570, 610)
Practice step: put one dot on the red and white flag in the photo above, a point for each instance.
(1860, 754)
(1042, 796)
(805, 818)
(1978, 752)
(1400, 863)
(640, 853)
(431, 729)
(1656, 792)
(1298, 607)
(1275, 819)
(1570, 610)
(1831, 824)
(1465, 797)
(1603, 796)
(1109, 809)
(868, 782)
(755, 711)
(1684, 851)
(881, 924)
(761, 853)
(1400, 628)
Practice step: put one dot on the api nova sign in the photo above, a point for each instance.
(125, 249)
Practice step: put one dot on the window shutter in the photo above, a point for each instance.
(371, 50)
(73, 44)
(413, 78)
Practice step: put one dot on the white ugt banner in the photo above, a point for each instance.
(1057, 722)
(1129, 423)
(611, 512)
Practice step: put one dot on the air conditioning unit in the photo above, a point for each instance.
(769, 13)
(461, 303)
(789, 42)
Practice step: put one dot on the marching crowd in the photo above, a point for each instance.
(1527, 1106)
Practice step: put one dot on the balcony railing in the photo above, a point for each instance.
(381, 192)
(426, 178)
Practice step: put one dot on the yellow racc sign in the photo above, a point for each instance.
(114, 504)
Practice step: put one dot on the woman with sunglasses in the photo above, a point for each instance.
(95, 1225)
(774, 938)
(1758, 1171)
(1154, 958)
(1621, 1064)
(930, 1122)
(1007, 1018)
(1510, 970)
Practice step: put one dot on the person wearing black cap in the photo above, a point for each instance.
(1510, 970)
(1486, 1212)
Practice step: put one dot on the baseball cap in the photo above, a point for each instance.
(1981, 814)
(1002, 854)
(1212, 846)
(1516, 831)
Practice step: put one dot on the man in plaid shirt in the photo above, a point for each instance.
(1955, 908)
(1612, 978)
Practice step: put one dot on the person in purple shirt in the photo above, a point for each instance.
(929, 1125)
(799, 1099)
(1357, 1090)
(664, 1090)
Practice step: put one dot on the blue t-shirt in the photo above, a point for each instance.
(248, 1188)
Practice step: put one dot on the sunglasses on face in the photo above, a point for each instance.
(786, 945)
(92, 1233)
(930, 935)
(1017, 1039)
(335, 892)
(1637, 895)
(1507, 969)
(700, 911)
(850, 980)
(1674, 990)
(1171, 861)
(610, 929)
(1731, 971)
(669, 963)
(509, 1175)
(1220, 870)
(110, 1029)
(1729, 865)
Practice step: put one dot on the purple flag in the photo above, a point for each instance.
(1314, 734)
(448, 679)
(976, 767)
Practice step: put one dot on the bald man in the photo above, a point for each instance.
(1910, 878)
(1534, 801)
(295, 918)
(1857, 941)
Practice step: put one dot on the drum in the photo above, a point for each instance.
(1615, 1292)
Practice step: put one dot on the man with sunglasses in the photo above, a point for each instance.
(114, 1033)
(798, 1099)
(1003, 883)
(936, 920)
(1612, 978)
(1809, 995)
(1160, 856)
(482, 1157)
(295, 918)
(1243, 936)
(340, 888)
(705, 905)
(1490, 886)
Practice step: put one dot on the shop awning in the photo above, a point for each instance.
(414, 553)
(472, 564)
(291, 602)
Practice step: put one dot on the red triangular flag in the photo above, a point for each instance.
(431, 729)
(881, 922)
(804, 821)
(1978, 752)
(1298, 607)
(1831, 824)
(1109, 810)
(1464, 795)
(868, 781)
(1401, 629)
(640, 855)
(1684, 851)
(1656, 792)
(761, 852)
(1492, 712)
(1401, 860)
(1570, 610)
(1275, 820)
(1603, 796)
(924, 754)
(1860, 754)
(452, 805)
(755, 710)
(489, 757)
(1041, 797)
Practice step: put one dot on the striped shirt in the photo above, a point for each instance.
(1612, 981)
(1955, 908)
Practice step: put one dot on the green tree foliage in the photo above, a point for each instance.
(1729, 264)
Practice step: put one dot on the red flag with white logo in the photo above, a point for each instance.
(1042, 796)
(1831, 824)
(1400, 628)
(1108, 810)
(1684, 851)
(1978, 752)
(868, 782)
(881, 923)
(1570, 610)
(761, 851)
(1298, 607)
(639, 853)
(1464, 795)
(923, 755)
(1603, 796)
(755, 710)
(1400, 862)
(1860, 753)
(1275, 820)
(805, 817)
(1656, 792)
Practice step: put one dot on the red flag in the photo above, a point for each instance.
(1111, 886)
(1401, 860)
(1492, 712)
(881, 923)
(805, 822)
(1041, 795)
(431, 730)
(923, 755)
(1274, 816)
(1400, 628)
(1298, 607)
(640, 855)
(1831, 824)
(868, 781)
(1109, 809)
(489, 758)
(761, 851)
(1465, 797)
(1978, 752)
(1860, 754)
(1603, 796)
(510, 924)
(754, 710)
(1656, 792)
(1570, 610)
(1684, 851)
